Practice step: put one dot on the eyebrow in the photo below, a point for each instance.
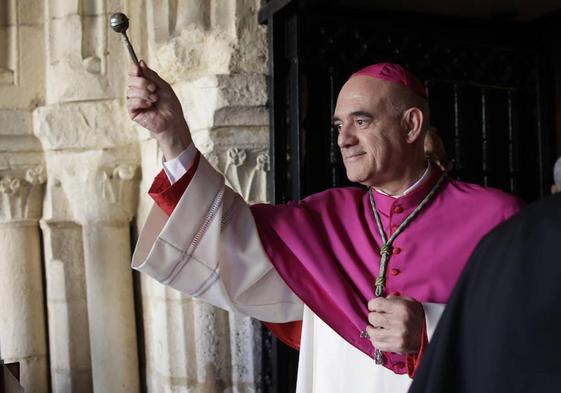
(335, 119)
(362, 114)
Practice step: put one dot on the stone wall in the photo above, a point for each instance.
(74, 171)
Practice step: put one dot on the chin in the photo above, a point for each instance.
(358, 172)
(355, 178)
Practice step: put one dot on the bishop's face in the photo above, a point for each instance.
(371, 137)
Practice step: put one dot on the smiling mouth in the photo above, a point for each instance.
(351, 156)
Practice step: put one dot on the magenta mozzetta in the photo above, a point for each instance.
(327, 248)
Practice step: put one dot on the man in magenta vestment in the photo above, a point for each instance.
(368, 269)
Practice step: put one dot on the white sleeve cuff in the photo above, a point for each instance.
(179, 165)
(433, 311)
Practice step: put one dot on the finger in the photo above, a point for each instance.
(134, 92)
(142, 83)
(384, 341)
(372, 304)
(380, 335)
(134, 70)
(134, 105)
(372, 333)
(378, 338)
(379, 304)
(377, 320)
(388, 347)
(151, 74)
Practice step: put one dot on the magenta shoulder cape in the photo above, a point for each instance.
(326, 248)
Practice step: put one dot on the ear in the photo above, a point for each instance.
(412, 122)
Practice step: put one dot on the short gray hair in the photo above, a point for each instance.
(557, 172)
(402, 99)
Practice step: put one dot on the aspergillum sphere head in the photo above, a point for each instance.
(119, 22)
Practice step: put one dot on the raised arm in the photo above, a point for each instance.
(209, 246)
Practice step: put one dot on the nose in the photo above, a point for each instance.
(346, 137)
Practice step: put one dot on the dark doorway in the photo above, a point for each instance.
(491, 83)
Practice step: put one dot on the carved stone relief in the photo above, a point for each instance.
(257, 184)
(118, 186)
(21, 194)
(245, 170)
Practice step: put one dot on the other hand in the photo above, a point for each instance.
(396, 324)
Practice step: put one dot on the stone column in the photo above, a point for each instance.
(107, 255)
(69, 341)
(91, 305)
(92, 158)
(22, 317)
(99, 186)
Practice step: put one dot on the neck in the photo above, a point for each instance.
(408, 177)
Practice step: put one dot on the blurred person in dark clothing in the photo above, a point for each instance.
(500, 330)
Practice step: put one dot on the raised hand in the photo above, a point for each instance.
(396, 324)
(152, 103)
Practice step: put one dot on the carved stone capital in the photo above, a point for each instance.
(21, 194)
(96, 185)
(245, 169)
(118, 186)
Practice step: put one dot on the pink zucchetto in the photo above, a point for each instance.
(394, 73)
